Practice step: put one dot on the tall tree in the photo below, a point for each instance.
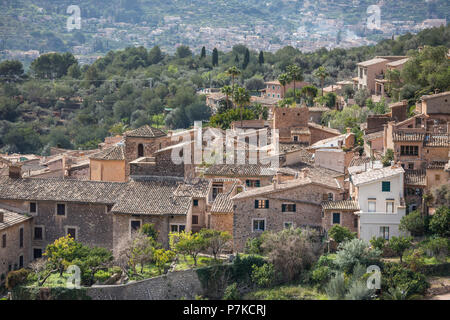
(203, 54)
(227, 91)
(246, 59)
(233, 72)
(215, 57)
(284, 80)
(242, 99)
(295, 74)
(321, 73)
(261, 58)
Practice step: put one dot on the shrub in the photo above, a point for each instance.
(437, 247)
(292, 251)
(341, 234)
(215, 240)
(232, 292)
(356, 251)
(440, 222)
(150, 231)
(242, 268)
(358, 290)
(337, 286)
(414, 223)
(16, 278)
(263, 276)
(101, 276)
(321, 275)
(400, 245)
(415, 259)
(253, 246)
(397, 276)
(378, 243)
(326, 260)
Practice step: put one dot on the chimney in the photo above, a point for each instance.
(15, 171)
(274, 183)
(1, 216)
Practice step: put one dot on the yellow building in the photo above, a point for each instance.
(109, 165)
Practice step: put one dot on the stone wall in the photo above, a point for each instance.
(172, 286)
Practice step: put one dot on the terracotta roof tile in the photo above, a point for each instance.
(341, 205)
(145, 132)
(116, 152)
(11, 218)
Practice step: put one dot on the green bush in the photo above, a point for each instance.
(378, 243)
(263, 276)
(232, 292)
(16, 278)
(242, 267)
(337, 287)
(101, 276)
(358, 291)
(395, 275)
(400, 245)
(321, 275)
(440, 222)
(437, 247)
(415, 259)
(340, 234)
(413, 222)
(326, 260)
(253, 246)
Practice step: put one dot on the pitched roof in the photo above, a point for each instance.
(371, 62)
(246, 170)
(116, 152)
(55, 189)
(145, 132)
(11, 218)
(222, 203)
(374, 135)
(376, 174)
(415, 177)
(323, 128)
(152, 197)
(198, 188)
(341, 205)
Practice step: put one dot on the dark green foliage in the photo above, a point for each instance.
(413, 222)
(16, 278)
(232, 292)
(340, 234)
(440, 222)
(242, 267)
(397, 276)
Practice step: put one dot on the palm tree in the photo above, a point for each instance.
(283, 79)
(321, 73)
(233, 72)
(227, 91)
(241, 98)
(295, 74)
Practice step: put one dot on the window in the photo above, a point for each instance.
(437, 177)
(288, 225)
(140, 150)
(217, 188)
(4, 241)
(72, 232)
(261, 204)
(60, 209)
(21, 238)
(384, 232)
(20, 262)
(253, 183)
(108, 208)
(135, 225)
(177, 227)
(355, 222)
(195, 202)
(259, 225)
(336, 218)
(330, 196)
(37, 253)
(295, 138)
(33, 208)
(390, 206)
(194, 219)
(38, 233)
(411, 166)
(386, 186)
(288, 207)
(409, 150)
(372, 205)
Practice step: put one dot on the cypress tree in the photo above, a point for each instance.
(203, 54)
(246, 59)
(261, 58)
(215, 57)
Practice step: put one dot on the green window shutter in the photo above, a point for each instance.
(257, 183)
(295, 208)
(256, 204)
(267, 204)
(385, 186)
(283, 208)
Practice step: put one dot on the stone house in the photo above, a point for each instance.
(108, 164)
(292, 203)
(15, 241)
(275, 90)
(340, 212)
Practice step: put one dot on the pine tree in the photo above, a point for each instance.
(215, 57)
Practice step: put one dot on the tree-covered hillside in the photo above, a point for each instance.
(60, 103)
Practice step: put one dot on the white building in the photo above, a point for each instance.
(379, 193)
